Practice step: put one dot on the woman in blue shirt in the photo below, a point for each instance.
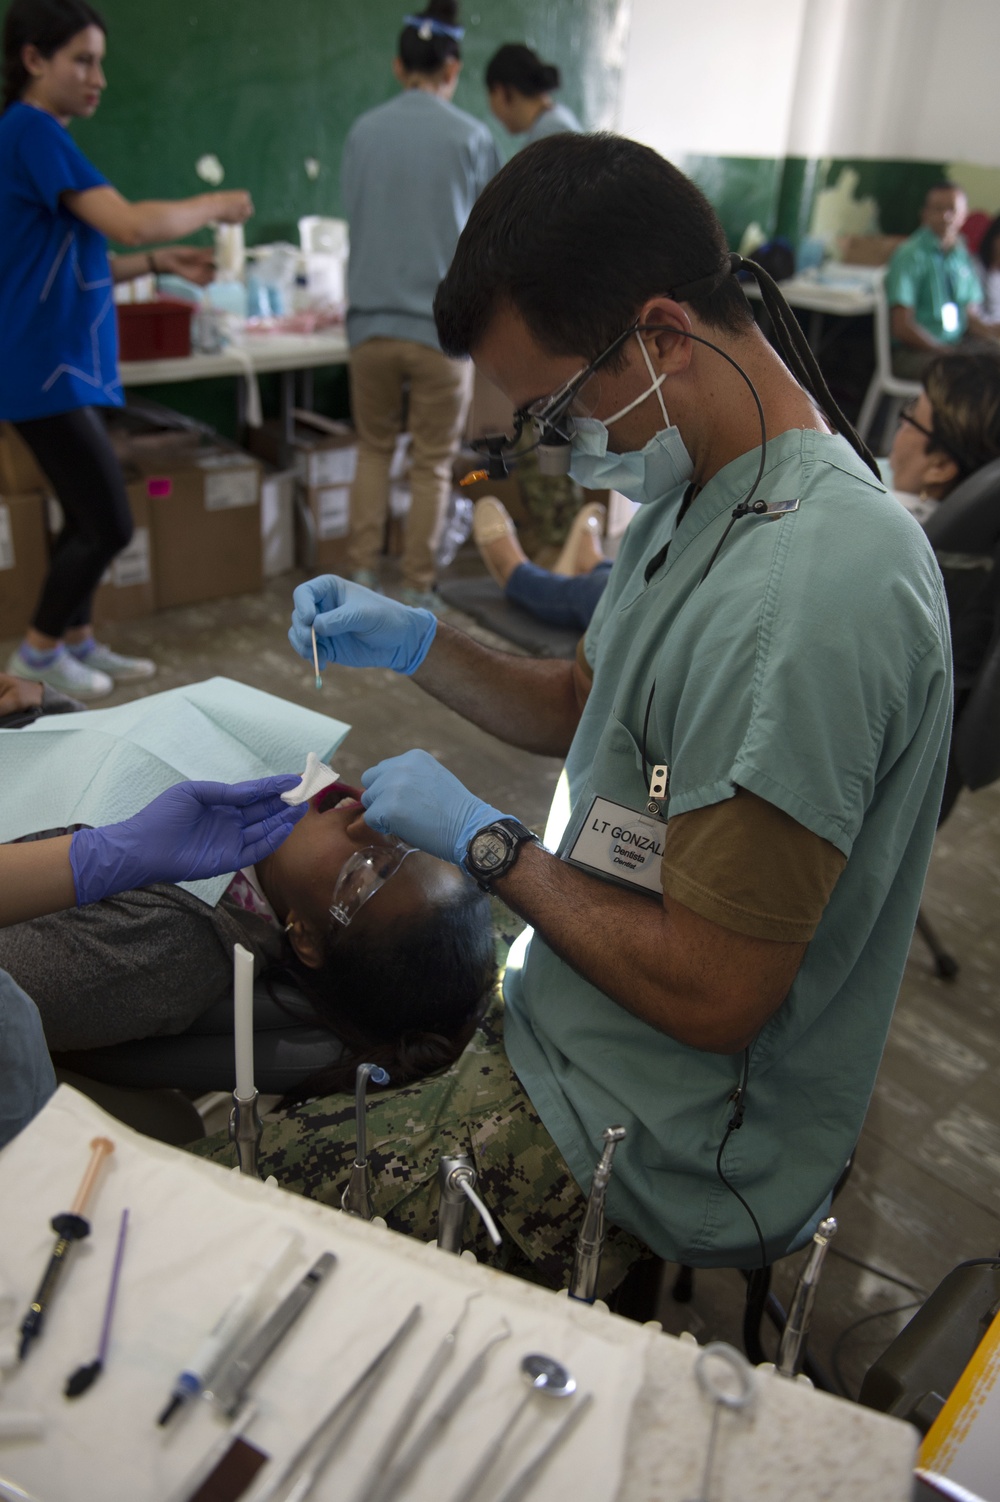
(520, 87)
(412, 170)
(58, 334)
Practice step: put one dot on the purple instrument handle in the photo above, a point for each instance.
(109, 1307)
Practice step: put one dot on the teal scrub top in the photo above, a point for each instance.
(811, 667)
(923, 277)
(411, 172)
(553, 122)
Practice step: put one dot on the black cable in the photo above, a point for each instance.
(879, 1272)
(735, 1122)
(645, 727)
(865, 1319)
(801, 360)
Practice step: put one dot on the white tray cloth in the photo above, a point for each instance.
(196, 1234)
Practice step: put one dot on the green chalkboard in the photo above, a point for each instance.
(267, 84)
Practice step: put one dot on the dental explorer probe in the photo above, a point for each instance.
(793, 1340)
(357, 1196)
(590, 1242)
(424, 1384)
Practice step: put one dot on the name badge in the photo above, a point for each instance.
(949, 317)
(619, 842)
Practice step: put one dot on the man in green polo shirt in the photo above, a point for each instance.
(754, 733)
(933, 288)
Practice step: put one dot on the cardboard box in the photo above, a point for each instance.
(323, 452)
(19, 473)
(868, 250)
(314, 510)
(489, 410)
(277, 522)
(127, 589)
(24, 559)
(205, 522)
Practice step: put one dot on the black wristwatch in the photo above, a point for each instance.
(493, 850)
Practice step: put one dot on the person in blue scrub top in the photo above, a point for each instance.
(58, 334)
(520, 87)
(412, 170)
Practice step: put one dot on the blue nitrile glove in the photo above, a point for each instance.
(415, 797)
(357, 627)
(191, 831)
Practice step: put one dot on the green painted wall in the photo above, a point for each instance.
(779, 193)
(264, 84)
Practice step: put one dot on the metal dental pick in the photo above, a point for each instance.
(357, 1197)
(590, 1242)
(464, 1385)
(421, 1388)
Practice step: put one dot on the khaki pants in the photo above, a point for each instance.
(439, 394)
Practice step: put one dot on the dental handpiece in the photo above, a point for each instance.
(796, 1331)
(357, 1196)
(590, 1242)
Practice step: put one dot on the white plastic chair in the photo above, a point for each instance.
(884, 382)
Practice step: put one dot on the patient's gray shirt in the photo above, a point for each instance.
(143, 964)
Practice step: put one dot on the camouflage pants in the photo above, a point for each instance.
(477, 1107)
(551, 502)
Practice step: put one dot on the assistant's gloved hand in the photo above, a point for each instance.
(357, 627)
(191, 831)
(415, 797)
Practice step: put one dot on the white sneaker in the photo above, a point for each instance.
(65, 674)
(101, 659)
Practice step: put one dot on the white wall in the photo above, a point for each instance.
(715, 77)
(869, 78)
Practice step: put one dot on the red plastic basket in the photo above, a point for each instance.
(158, 330)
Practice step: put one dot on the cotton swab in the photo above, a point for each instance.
(319, 681)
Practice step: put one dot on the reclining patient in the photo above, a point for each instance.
(400, 981)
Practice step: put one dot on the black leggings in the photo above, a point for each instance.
(75, 452)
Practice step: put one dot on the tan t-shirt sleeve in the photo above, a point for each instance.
(749, 866)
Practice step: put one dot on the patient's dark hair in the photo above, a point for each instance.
(515, 66)
(408, 998)
(429, 55)
(45, 24)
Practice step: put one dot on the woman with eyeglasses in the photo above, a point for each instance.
(947, 432)
(391, 949)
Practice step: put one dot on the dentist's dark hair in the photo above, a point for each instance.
(578, 231)
(45, 24)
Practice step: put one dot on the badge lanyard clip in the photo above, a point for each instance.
(659, 782)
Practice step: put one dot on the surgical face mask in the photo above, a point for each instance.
(641, 476)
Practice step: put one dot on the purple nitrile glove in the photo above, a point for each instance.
(193, 830)
(357, 627)
(415, 797)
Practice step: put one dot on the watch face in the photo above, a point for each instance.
(488, 850)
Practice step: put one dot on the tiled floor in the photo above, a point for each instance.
(925, 1191)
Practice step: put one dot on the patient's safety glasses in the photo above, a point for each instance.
(361, 876)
